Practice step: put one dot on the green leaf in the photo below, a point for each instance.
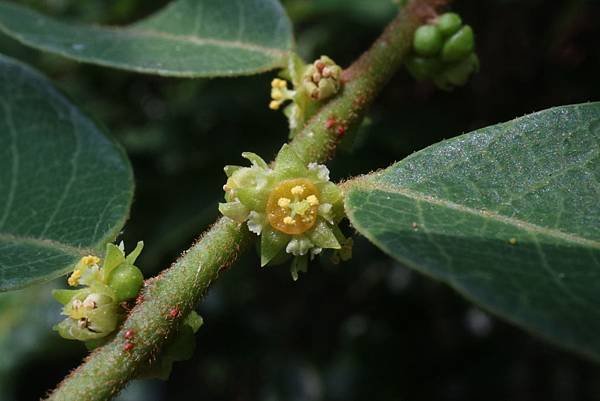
(188, 38)
(508, 215)
(65, 189)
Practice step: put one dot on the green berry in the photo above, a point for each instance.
(427, 40)
(449, 23)
(459, 45)
(126, 280)
(423, 68)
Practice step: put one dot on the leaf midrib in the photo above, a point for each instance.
(136, 31)
(362, 184)
(46, 243)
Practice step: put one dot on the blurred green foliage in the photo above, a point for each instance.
(368, 329)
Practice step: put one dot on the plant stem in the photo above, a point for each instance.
(172, 295)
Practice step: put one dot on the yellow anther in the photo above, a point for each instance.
(278, 83)
(274, 104)
(284, 202)
(90, 260)
(74, 278)
(312, 200)
(288, 220)
(297, 190)
(277, 94)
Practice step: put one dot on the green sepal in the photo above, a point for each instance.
(272, 242)
(330, 193)
(64, 296)
(102, 321)
(254, 197)
(459, 45)
(194, 320)
(230, 169)
(287, 162)
(133, 255)
(69, 330)
(234, 210)
(179, 348)
(255, 159)
(323, 237)
(299, 264)
(112, 258)
(428, 40)
(448, 23)
(295, 69)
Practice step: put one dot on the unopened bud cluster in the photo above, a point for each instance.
(443, 51)
(321, 80)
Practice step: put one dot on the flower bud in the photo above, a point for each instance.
(459, 45)
(448, 23)
(321, 79)
(427, 40)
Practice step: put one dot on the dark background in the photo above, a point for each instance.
(369, 329)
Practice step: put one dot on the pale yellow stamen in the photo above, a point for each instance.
(283, 202)
(274, 104)
(288, 220)
(297, 190)
(277, 94)
(312, 200)
(74, 278)
(90, 260)
(278, 83)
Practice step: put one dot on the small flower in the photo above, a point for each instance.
(292, 206)
(94, 311)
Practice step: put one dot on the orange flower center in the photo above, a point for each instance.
(293, 205)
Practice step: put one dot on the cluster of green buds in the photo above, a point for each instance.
(292, 206)
(443, 51)
(311, 85)
(95, 310)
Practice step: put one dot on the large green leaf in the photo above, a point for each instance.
(64, 187)
(508, 215)
(188, 38)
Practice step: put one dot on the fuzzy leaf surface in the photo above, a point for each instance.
(65, 188)
(188, 38)
(508, 215)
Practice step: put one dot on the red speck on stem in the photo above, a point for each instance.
(128, 346)
(330, 122)
(341, 130)
(174, 313)
(129, 334)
